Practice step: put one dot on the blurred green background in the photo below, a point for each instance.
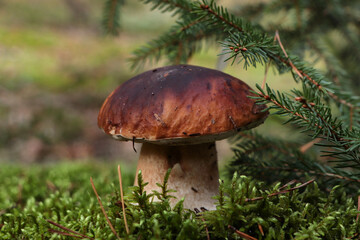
(57, 67)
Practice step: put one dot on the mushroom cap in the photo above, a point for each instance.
(180, 104)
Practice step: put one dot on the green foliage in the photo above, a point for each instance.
(281, 212)
(30, 195)
(262, 157)
(321, 106)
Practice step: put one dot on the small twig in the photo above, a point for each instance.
(301, 74)
(197, 211)
(266, 97)
(261, 229)
(206, 229)
(288, 184)
(64, 233)
(241, 234)
(308, 145)
(277, 36)
(122, 199)
(280, 192)
(102, 209)
(66, 229)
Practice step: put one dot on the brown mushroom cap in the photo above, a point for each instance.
(180, 104)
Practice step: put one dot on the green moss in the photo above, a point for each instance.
(62, 193)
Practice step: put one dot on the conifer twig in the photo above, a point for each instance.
(64, 233)
(197, 211)
(66, 229)
(277, 37)
(261, 229)
(241, 234)
(308, 145)
(288, 184)
(122, 199)
(102, 209)
(280, 192)
(301, 74)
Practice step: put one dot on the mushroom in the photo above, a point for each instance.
(178, 112)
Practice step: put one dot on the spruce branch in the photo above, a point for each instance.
(178, 44)
(316, 118)
(304, 73)
(111, 16)
(171, 45)
(262, 156)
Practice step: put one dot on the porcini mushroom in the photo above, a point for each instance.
(178, 112)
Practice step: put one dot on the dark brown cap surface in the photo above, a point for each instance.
(180, 104)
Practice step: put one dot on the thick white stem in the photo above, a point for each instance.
(194, 174)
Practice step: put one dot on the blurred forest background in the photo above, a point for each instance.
(57, 66)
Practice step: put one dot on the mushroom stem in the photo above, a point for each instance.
(194, 172)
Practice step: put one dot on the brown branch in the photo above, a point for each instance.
(190, 25)
(261, 229)
(241, 234)
(288, 184)
(280, 192)
(308, 145)
(102, 209)
(64, 233)
(306, 105)
(197, 211)
(289, 62)
(335, 80)
(266, 97)
(122, 199)
(66, 229)
(301, 74)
